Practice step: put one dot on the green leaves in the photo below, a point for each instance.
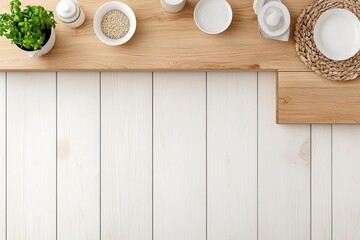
(27, 27)
(15, 6)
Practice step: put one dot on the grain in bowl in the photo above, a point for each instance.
(115, 24)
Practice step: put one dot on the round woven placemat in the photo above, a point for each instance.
(307, 50)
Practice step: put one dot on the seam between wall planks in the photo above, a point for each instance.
(100, 154)
(56, 152)
(206, 153)
(152, 155)
(6, 78)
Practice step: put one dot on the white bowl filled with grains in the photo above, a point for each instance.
(114, 23)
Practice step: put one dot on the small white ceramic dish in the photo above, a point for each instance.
(105, 9)
(337, 34)
(283, 18)
(213, 16)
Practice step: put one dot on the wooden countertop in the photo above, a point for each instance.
(163, 41)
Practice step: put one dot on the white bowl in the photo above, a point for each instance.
(100, 13)
(213, 16)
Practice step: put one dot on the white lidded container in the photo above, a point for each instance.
(70, 13)
(273, 19)
(173, 6)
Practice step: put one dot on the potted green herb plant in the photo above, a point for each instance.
(31, 28)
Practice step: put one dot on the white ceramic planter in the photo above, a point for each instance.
(45, 49)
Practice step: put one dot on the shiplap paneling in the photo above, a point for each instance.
(31, 156)
(321, 182)
(180, 161)
(126, 156)
(346, 182)
(284, 171)
(2, 156)
(78, 155)
(232, 155)
(180, 156)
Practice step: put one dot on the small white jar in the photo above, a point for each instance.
(70, 13)
(173, 6)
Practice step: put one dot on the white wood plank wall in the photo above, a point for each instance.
(321, 182)
(169, 156)
(78, 156)
(346, 182)
(126, 156)
(232, 155)
(180, 156)
(31, 156)
(283, 171)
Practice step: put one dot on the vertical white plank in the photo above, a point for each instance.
(321, 182)
(31, 156)
(346, 182)
(284, 171)
(180, 156)
(126, 156)
(232, 155)
(78, 135)
(2, 156)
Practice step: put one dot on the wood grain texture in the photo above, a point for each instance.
(126, 156)
(283, 170)
(162, 41)
(232, 156)
(2, 156)
(31, 156)
(346, 182)
(78, 156)
(308, 98)
(180, 156)
(321, 182)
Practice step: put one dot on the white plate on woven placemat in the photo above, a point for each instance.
(337, 34)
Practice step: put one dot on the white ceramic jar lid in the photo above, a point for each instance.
(67, 10)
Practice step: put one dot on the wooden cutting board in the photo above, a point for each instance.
(305, 97)
(165, 42)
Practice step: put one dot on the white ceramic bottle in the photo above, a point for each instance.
(70, 13)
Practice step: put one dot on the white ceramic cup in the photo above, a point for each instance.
(173, 6)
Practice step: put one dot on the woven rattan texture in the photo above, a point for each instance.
(307, 50)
